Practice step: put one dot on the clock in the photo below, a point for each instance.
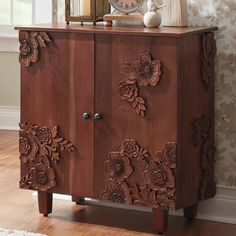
(126, 6)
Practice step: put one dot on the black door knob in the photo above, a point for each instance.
(86, 116)
(97, 116)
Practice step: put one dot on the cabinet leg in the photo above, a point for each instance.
(160, 220)
(78, 200)
(190, 212)
(45, 203)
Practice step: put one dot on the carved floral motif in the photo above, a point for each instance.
(116, 192)
(29, 43)
(143, 72)
(203, 138)
(159, 176)
(157, 188)
(40, 147)
(42, 177)
(148, 71)
(209, 51)
(118, 165)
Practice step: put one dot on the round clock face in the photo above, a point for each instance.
(126, 6)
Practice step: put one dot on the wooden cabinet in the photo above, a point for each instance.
(118, 114)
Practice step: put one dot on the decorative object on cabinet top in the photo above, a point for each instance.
(29, 44)
(125, 11)
(157, 187)
(40, 149)
(143, 72)
(152, 18)
(86, 10)
(175, 13)
(209, 51)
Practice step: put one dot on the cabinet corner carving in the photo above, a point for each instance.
(29, 44)
(142, 72)
(203, 138)
(157, 187)
(40, 149)
(209, 51)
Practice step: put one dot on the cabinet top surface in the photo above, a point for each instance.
(128, 30)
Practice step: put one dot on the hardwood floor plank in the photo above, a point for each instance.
(19, 210)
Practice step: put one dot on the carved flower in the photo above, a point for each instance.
(118, 166)
(116, 192)
(130, 148)
(159, 176)
(169, 154)
(148, 71)
(128, 90)
(28, 48)
(163, 202)
(28, 147)
(44, 135)
(43, 177)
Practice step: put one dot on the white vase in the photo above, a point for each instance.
(152, 19)
(175, 13)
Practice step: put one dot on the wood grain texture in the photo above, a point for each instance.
(19, 207)
(160, 123)
(45, 203)
(160, 220)
(60, 103)
(132, 30)
(86, 79)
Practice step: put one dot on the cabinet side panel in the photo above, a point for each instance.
(196, 126)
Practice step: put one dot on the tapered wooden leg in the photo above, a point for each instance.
(45, 203)
(78, 200)
(160, 220)
(190, 212)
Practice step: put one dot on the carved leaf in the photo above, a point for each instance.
(25, 182)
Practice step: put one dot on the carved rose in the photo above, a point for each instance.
(130, 148)
(28, 147)
(159, 176)
(43, 177)
(28, 48)
(118, 166)
(116, 192)
(148, 71)
(44, 135)
(169, 154)
(128, 90)
(163, 202)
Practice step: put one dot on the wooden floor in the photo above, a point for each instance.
(18, 210)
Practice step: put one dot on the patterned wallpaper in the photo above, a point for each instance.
(221, 13)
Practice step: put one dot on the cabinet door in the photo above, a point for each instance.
(135, 141)
(56, 143)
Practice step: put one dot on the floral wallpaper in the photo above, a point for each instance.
(221, 13)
